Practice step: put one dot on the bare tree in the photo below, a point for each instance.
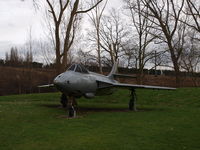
(190, 58)
(13, 58)
(65, 14)
(193, 10)
(45, 52)
(95, 17)
(130, 57)
(165, 16)
(29, 49)
(86, 58)
(113, 35)
(139, 15)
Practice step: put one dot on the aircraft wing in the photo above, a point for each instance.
(103, 85)
(123, 75)
(134, 86)
(47, 85)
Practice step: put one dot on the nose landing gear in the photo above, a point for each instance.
(72, 112)
(69, 103)
(64, 100)
(72, 104)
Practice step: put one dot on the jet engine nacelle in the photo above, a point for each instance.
(89, 95)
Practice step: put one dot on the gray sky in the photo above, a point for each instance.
(16, 19)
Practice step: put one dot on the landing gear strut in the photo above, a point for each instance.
(71, 107)
(69, 103)
(132, 102)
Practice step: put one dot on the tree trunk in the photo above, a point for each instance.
(57, 48)
(177, 72)
(111, 54)
(64, 62)
(140, 76)
(98, 50)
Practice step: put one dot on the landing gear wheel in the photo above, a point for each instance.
(72, 112)
(70, 105)
(132, 102)
(63, 100)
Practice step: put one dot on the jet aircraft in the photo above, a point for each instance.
(77, 81)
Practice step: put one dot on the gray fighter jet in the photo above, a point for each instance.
(77, 81)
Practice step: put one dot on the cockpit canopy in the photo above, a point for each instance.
(78, 68)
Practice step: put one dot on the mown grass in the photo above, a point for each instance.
(167, 120)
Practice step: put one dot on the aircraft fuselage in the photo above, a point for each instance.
(82, 84)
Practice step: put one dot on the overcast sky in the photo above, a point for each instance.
(16, 19)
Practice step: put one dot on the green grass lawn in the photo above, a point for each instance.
(166, 120)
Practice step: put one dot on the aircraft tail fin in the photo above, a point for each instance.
(113, 71)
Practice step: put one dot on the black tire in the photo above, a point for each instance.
(131, 104)
(64, 100)
(71, 112)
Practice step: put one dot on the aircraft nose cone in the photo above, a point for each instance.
(58, 84)
(61, 83)
(57, 81)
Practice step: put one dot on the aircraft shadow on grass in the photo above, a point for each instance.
(84, 109)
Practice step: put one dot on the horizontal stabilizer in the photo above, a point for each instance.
(47, 85)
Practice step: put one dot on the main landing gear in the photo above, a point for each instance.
(69, 103)
(132, 102)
